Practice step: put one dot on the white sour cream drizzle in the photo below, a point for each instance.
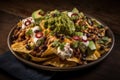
(24, 20)
(67, 52)
(33, 36)
(33, 29)
(70, 13)
(85, 38)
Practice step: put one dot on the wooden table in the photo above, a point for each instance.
(108, 11)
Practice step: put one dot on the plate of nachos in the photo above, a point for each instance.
(60, 40)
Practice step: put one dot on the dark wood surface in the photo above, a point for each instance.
(108, 11)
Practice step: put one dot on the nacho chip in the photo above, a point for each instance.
(97, 46)
(74, 59)
(20, 47)
(19, 23)
(42, 24)
(49, 51)
(94, 56)
(59, 63)
(36, 59)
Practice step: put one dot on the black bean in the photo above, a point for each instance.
(102, 48)
(88, 34)
(27, 57)
(52, 27)
(36, 48)
(14, 37)
(84, 55)
(62, 37)
(44, 38)
(44, 47)
(57, 35)
(23, 37)
(28, 47)
(18, 28)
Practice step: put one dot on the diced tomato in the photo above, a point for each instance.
(38, 34)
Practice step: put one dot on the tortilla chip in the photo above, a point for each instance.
(97, 53)
(97, 46)
(49, 51)
(19, 23)
(36, 59)
(74, 59)
(67, 40)
(59, 63)
(42, 24)
(94, 56)
(20, 47)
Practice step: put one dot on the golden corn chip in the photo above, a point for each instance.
(36, 59)
(97, 53)
(97, 46)
(74, 59)
(20, 47)
(67, 40)
(42, 24)
(51, 39)
(104, 51)
(94, 56)
(103, 33)
(49, 51)
(59, 63)
(19, 23)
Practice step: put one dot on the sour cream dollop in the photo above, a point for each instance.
(85, 42)
(33, 36)
(67, 52)
(70, 14)
(26, 22)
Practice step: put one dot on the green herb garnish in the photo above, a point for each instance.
(40, 42)
(29, 32)
(56, 43)
(75, 44)
(62, 46)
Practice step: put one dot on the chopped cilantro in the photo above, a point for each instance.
(62, 46)
(40, 42)
(75, 44)
(56, 43)
(29, 32)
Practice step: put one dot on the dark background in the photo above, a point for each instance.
(108, 11)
